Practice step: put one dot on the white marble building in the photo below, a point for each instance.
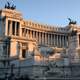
(28, 44)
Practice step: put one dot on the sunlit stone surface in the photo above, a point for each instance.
(37, 50)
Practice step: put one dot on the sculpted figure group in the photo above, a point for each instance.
(9, 6)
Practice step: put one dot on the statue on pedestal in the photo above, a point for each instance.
(9, 6)
(71, 21)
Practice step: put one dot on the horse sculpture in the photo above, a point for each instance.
(71, 21)
(8, 6)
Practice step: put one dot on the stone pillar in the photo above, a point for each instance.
(60, 40)
(36, 35)
(15, 27)
(63, 40)
(51, 39)
(27, 33)
(24, 33)
(30, 34)
(39, 38)
(20, 30)
(33, 34)
(42, 38)
(48, 39)
(6, 27)
(54, 40)
(10, 32)
(57, 40)
(20, 54)
(66, 41)
(45, 38)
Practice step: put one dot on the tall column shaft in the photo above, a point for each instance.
(39, 37)
(36, 35)
(63, 40)
(54, 40)
(51, 39)
(60, 40)
(42, 38)
(48, 39)
(33, 34)
(30, 34)
(15, 27)
(45, 38)
(10, 32)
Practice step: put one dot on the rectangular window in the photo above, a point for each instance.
(13, 27)
(23, 53)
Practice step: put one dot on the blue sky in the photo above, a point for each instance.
(53, 12)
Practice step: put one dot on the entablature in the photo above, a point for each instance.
(41, 27)
(11, 13)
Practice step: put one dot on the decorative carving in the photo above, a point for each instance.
(9, 6)
(71, 21)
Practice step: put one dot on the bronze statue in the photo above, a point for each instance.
(13, 7)
(71, 21)
(9, 6)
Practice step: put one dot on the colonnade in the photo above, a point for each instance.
(13, 28)
(42, 37)
(45, 38)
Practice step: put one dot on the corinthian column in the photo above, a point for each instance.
(42, 38)
(60, 40)
(33, 34)
(63, 40)
(51, 39)
(27, 35)
(39, 38)
(10, 32)
(37, 35)
(57, 40)
(45, 38)
(30, 34)
(54, 39)
(15, 27)
(48, 39)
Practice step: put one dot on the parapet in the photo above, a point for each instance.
(42, 27)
